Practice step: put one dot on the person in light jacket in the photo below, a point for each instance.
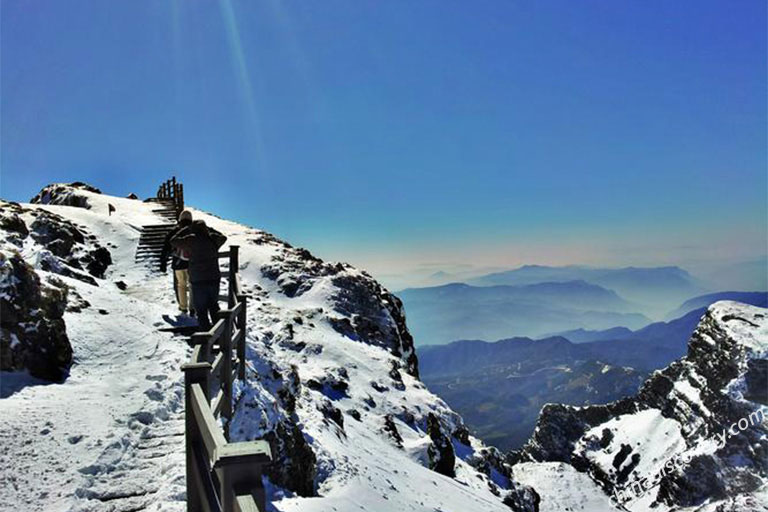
(201, 244)
(179, 265)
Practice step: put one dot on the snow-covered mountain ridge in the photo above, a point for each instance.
(332, 383)
(332, 379)
(696, 435)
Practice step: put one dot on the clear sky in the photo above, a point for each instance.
(397, 134)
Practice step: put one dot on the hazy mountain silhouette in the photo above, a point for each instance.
(703, 301)
(656, 290)
(443, 313)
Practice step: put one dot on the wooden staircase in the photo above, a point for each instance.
(170, 203)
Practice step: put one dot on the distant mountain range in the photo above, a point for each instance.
(440, 314)
(499, 387)
(655, 290)
(703, 301)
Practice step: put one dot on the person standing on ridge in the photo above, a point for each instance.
(202, 244)
(179, 265)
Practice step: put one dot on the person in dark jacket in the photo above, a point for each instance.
(202, 244)
(179, 265)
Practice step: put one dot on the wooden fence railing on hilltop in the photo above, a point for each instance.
(221, 476)
(174, 191)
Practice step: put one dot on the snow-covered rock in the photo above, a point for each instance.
(695, 435)
(33, 336)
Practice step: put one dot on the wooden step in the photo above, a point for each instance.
(150, 227)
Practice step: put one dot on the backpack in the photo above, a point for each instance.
(182, 254)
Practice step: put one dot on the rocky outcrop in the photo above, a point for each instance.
(442, 457)
(363, 309)
(65, 194)
(684, 416)
(522, 498)
(33, 333)
(294, 465)
(66, 249)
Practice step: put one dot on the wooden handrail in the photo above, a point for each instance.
(171, 189)
(237, 466)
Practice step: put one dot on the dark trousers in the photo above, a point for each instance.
(205, 297)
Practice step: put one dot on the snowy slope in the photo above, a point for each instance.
(695, 437)
(332, 383)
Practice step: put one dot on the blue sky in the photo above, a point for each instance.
(402, 134)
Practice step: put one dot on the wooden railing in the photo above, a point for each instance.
(173, 190)
(221, 476)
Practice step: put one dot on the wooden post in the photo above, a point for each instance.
(225, 377)
(202, 339)
(241, 341)
(194, 373)
(239, 467)
(181, 195)
(234, 265)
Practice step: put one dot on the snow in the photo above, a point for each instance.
(561, 487)
(746, 324)
(62, 441)
(660, 438)
(114, 429)
(111, 435)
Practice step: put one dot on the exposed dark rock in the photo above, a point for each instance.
(757, 381)
(51, 263)
(391, 429)
(461, 434)
(394, 374)
(290, 389)
(379, 387)
(294, 463)
(14, 224)
(65, 194)
(522, 498)
(57, 234)
(332, 385)
(97, 261)
(34, 334)
(442, 458)
(121, 285)
(332, 413)
(132, 196)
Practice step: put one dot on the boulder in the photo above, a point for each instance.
(65, 194)
(442, 458)
(33, 333)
